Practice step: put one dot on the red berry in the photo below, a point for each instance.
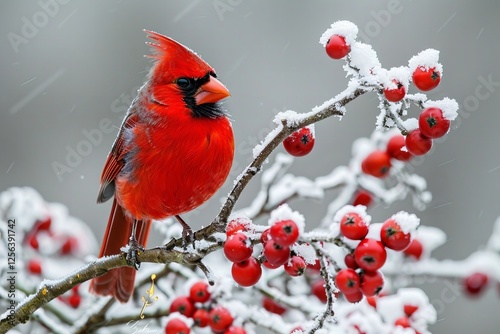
(402, 322)
(393, 237)
(272, 306)
(362, 198)
(318, 289)
(395, 94)
(350, 262)
(237, 225)
(354, 297)
(235, 330)
(371, 283)
(410, 309)
(314, 267)
(336, 47)
(268, 265)
(199, 292)
(474, 284)
(296, 266)
(33, 241)
(370, 254)
(43, 225)
(238, 247)
(176, 326)
(372, 301)
(377, 164)
(284, 232)
(183, 305)
(300, 143)
(69, 245)
(74, 300)
(347, 281)
(246, 273)
(432, 123)
(426, 79)
(417, 144)
(34, 267)
(264, 237)
(220, 319)
(414, 250)
(353, 227)
(276, 254)
(394, 147)
(200, 317)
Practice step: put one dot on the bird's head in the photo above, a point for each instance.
(179, 74)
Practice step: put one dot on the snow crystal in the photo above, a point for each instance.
(400, 74)
(410, 124)
(284, 212)
(359, 209)
(346, 29)
(307, 252)
(407, 221)
(427, 59)
(448, 106)
(365, 59)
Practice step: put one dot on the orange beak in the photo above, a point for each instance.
(211, 92)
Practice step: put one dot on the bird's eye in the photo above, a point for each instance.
(184, 83)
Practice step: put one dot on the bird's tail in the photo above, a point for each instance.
(118, 282)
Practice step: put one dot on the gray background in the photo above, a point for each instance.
(71, 73)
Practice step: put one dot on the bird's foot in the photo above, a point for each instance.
(187, 233)
(133, 250)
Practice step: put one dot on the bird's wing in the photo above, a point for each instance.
(114, 162)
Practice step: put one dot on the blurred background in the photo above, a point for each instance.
(69, 66)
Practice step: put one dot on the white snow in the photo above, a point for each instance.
(407, 221)
(448, 106)
(410, 124)
(307, 252)
(400, 74)
(365, 59)
(427, 59)
(346, 29)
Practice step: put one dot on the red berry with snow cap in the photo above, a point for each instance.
(393, 237)
(300, 143)
(337, 48)
(284, 232)
(395, 94)
(296, 266)
(426, 79)
(238, 247)
(353, 226)
(432, 123)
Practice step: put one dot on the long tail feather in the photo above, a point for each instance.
(118, 282)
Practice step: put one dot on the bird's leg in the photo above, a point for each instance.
(187, 231)
(134, 247)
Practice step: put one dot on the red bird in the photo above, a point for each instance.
(174, 150)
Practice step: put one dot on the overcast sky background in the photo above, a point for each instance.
(82, 64)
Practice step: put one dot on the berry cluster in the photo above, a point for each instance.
(200, 307)
(277, 244)
(65, 244)
(362, 277)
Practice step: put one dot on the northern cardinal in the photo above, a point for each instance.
(174, 150)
